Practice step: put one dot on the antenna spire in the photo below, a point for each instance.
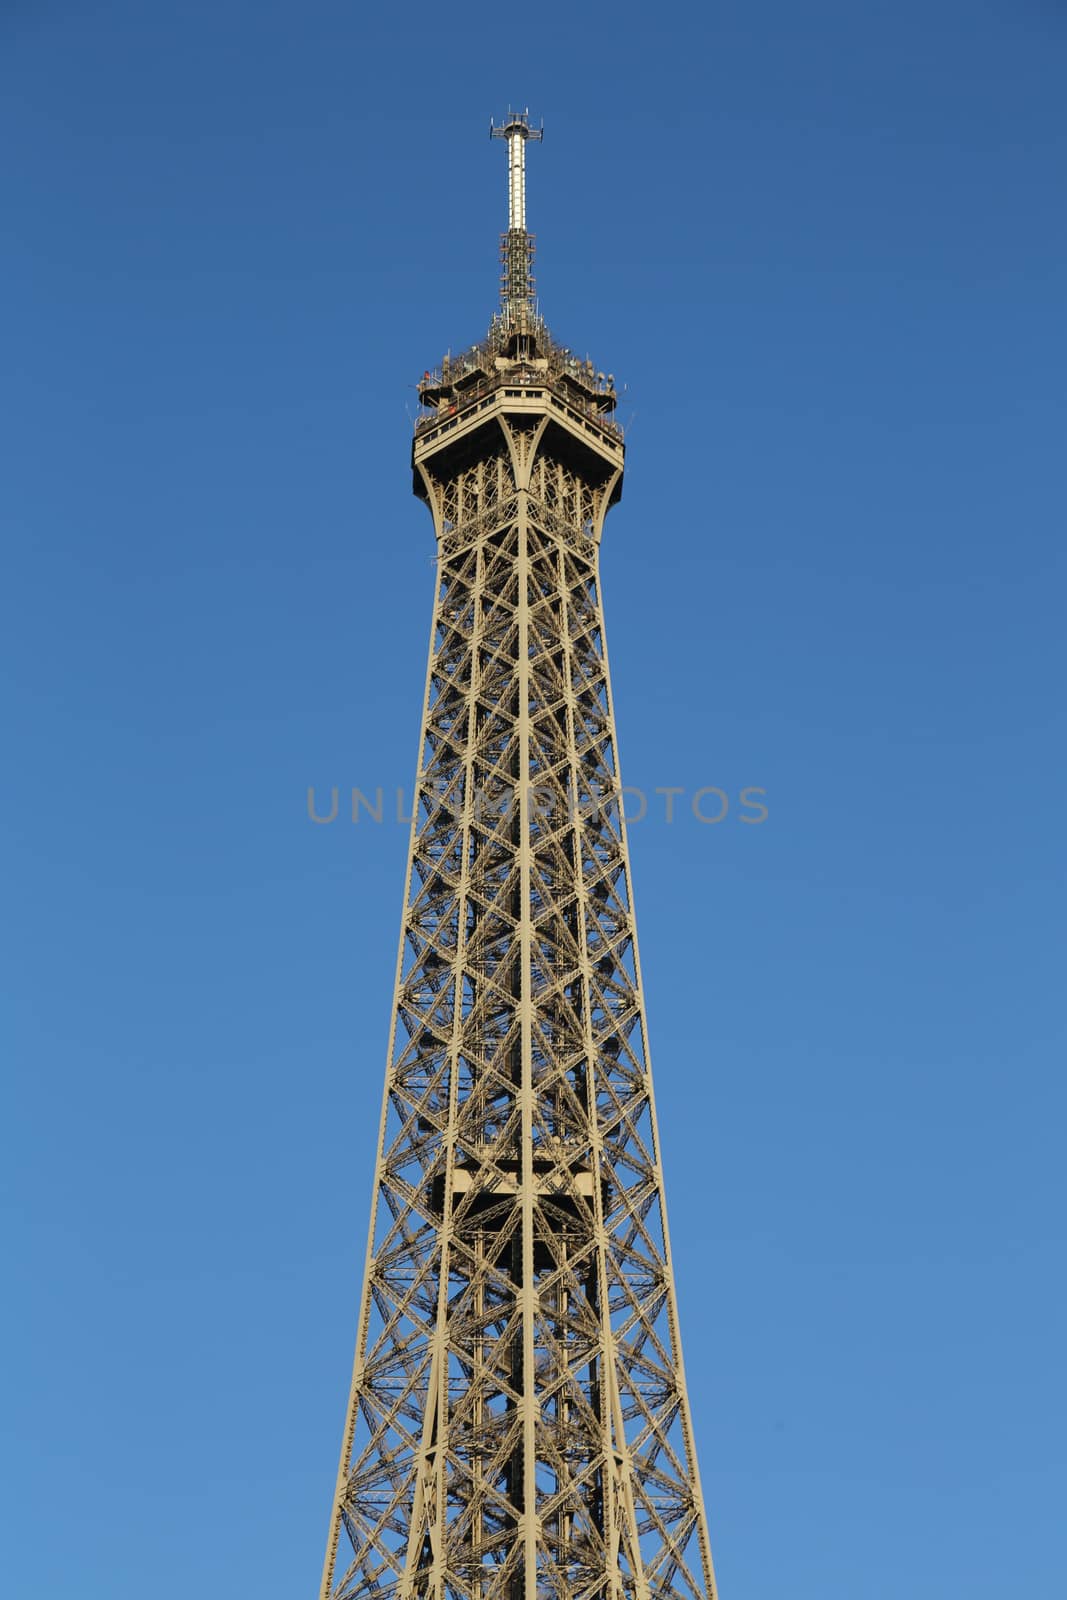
(516, 245)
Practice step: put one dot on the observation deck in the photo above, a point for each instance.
(512, 372)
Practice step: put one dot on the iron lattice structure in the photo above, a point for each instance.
(518, 1426)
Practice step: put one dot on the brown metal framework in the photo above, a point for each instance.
(518, 1427)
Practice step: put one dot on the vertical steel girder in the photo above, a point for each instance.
(518, 1426)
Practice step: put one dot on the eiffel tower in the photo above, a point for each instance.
(518, 1426)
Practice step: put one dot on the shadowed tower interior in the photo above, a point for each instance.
(518, 1426)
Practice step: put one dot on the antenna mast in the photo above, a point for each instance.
(516, 245)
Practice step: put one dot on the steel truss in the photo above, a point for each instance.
(518, 1427)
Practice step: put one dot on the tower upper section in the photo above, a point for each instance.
(517, 374)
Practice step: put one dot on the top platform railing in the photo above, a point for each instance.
(481, 371)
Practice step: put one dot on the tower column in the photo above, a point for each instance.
(528, 1293)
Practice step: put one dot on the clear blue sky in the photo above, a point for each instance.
(825, 247)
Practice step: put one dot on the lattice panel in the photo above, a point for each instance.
(519, 1425)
